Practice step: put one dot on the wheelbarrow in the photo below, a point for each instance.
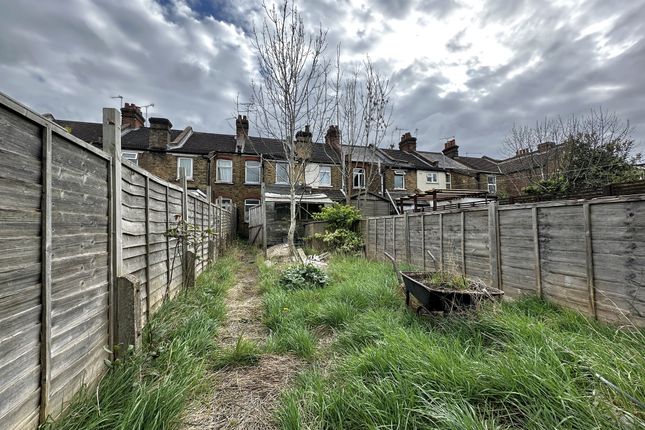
(438, 298)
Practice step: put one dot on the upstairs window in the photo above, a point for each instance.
(492, 184)
(325, 176)
(358, 178)
(132, 157)
(431, 178)
(187, 164)
(448, 181)
(252, 172)
(281, 173)
(399, 180)
(224, 171)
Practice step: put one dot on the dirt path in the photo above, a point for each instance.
(244, 397)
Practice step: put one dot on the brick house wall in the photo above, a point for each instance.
(164, 165)
(410, 180)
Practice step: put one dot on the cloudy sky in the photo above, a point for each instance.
(463, 68)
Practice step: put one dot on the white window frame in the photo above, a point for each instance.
(286, 166)
(323, 184)
(434, 179)
(217, 167)
(246, 172)
(492, 185)
(132, 157)
(448, 181)
(358, 172)
(189, 172)
(248, 206)
(399, 173)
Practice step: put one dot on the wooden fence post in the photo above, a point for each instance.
(112, 145)
(184, 218)
(407, 237)
(394, 237)
(441, 241)
(589, 259)
(423, 239)
(536, 250)
(220, 226)
(46, 279)
(463, 242)
(385, 235)
(168, 263)
(493, 245)
(147, 230)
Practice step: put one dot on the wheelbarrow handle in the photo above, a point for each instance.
(396, 267)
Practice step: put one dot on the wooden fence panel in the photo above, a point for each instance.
(80, 282)
(432, 241)
(415, 239)
(21, 147)
(399, 238)
(452, 239)
(563, 256)
(476, 246)
(517, 252)
(618, 237)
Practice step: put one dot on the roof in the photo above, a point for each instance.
(198, 143)
(443, 161)
(363, 154)
(527, 161)
(399, 158)
(280, 194)
(481, 164)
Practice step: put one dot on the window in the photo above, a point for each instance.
(132, 157)
(281, 212)
(358, 178)
(448, 181)
(224, 171)
(252, 172)
(226, 201)
(492, 184)
(281, 173)
(187, 164)
(325, 176)
(431, 178)
(248, 204)
(399, 180)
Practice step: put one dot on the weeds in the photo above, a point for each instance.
(525, 364)
(150, 388)
(244, 353)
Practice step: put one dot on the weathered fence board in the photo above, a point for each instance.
(60, 222)
(589, 256)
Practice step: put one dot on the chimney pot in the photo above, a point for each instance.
(451, 149)
(131, 116)
(408, 143)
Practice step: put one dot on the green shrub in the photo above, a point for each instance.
(341, 240)
(303, 276)
(339, 216)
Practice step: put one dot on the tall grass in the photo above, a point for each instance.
(149, 389)
(526, 364)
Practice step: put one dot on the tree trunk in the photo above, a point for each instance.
(291, 242)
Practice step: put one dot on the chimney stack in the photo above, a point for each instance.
(332, 137)
(546, 146)
(408, 143)
(303, 143)
(241, 132)
(131, 116)
(451, 149)
(159, 133)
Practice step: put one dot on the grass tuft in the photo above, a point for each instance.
(526, 364)
(245, 352)
(150, 388)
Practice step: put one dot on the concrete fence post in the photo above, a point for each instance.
(128, 317)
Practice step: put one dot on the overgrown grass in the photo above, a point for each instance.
(149, 389)
(526, 364)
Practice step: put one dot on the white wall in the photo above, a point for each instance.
(312, 175)
(425, 186)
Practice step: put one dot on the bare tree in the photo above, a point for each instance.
(576, 152)
(363, 114)
(292, 92)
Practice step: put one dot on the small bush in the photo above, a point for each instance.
(303, 276)
(341, 240)
(339, 216)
